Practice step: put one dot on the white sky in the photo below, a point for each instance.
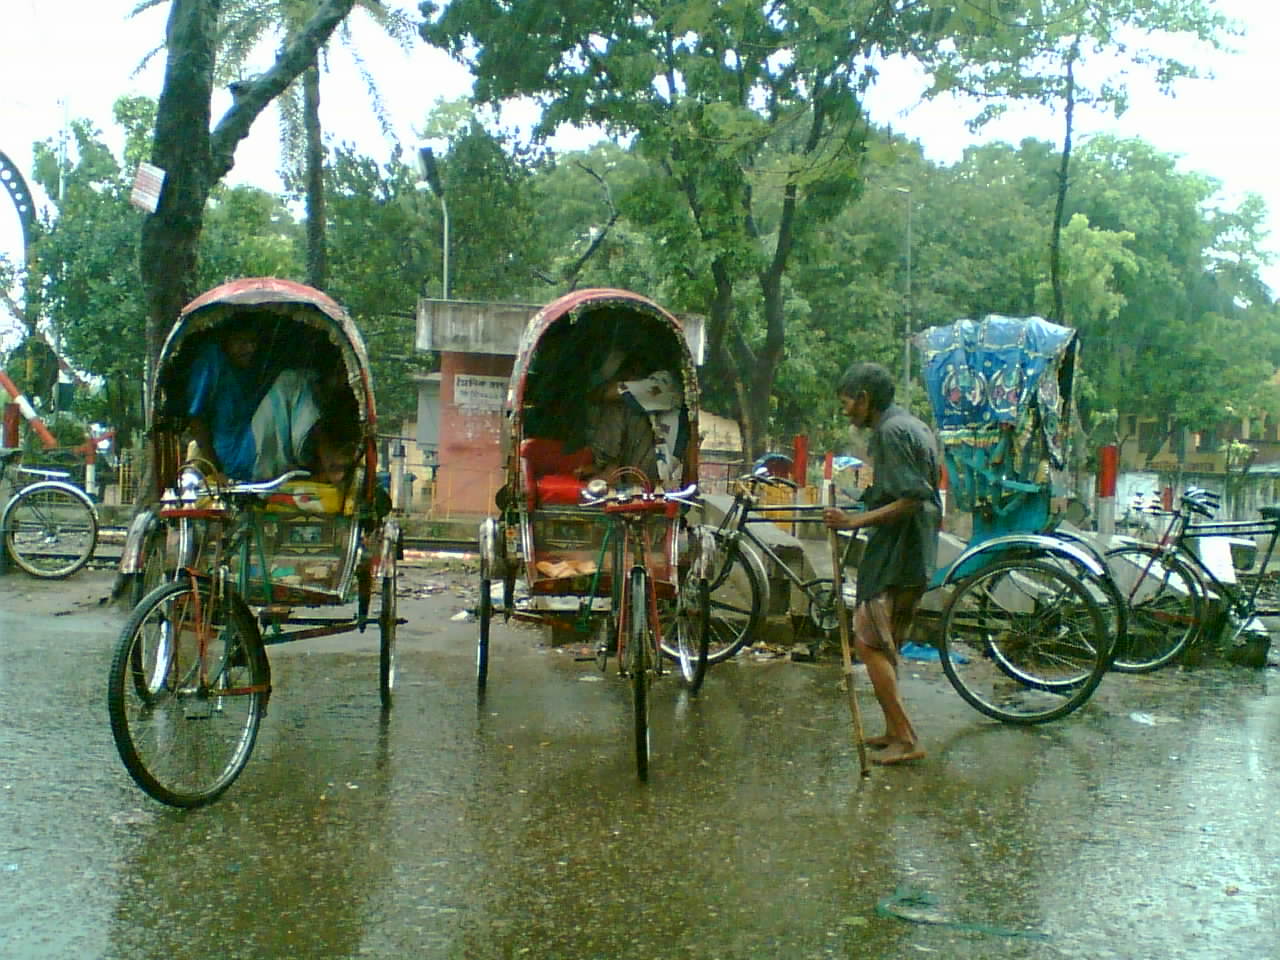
(69, 59)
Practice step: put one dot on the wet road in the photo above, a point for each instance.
(1145, 826)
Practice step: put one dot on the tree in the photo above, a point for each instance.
(1039, 51)
(748, 116)
(194, 155)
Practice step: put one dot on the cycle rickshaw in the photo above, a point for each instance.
(1034, 618)
(613, 558)
(224, 567)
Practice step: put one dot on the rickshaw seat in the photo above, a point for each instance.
(547, 472)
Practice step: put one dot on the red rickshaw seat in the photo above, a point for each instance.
(547, 472)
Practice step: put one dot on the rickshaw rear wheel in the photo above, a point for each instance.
(484, 612)
(686, 630)
(1024, 641)
(637, 663)
(184, 716)
(153, 567)
(387, 624)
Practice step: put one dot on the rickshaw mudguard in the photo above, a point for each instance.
(139, 528)
(980, 555)
(490, 543)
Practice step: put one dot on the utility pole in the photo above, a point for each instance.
(427, 168)
(908, 324)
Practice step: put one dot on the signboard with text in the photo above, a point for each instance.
(471, 392)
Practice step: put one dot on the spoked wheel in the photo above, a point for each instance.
(686, 630)
(387, 624)
(188, 688)
(1024, 641)
(1165, 606)
(638, 665)
(484, 611)
(739, 594)
(50, 530)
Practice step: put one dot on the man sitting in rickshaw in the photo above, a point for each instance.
(633, 420)
(254, 426)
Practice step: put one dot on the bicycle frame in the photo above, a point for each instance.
(1243, 602)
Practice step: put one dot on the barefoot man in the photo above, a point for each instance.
(903, 511)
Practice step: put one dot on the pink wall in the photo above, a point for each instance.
(471, 466)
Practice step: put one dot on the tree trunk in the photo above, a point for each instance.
(317, 252)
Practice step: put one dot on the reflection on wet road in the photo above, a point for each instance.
(1143, 826)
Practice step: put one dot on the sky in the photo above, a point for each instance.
(73, 58)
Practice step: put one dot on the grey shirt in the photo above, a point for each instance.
(905, 457)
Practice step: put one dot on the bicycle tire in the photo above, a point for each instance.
(484, 613)
(50, 529)
(1024, 641)
(638, 664)
(387, 624)
(184, 723)
(739, 595)
(1165, 600)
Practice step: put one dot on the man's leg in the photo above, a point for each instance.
(874, 641)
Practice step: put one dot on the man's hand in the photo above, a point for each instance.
(836, 519)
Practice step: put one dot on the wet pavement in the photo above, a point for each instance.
(1147, 825)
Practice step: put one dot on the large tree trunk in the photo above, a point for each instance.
(317, 252)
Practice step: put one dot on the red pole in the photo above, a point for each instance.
(1108, 468)
(28, 412)
(828, 466)
(12, 417)
(800, 459)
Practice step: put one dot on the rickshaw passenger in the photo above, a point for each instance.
(623, 410)
(250, 431)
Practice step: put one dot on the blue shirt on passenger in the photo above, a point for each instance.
(225, 397)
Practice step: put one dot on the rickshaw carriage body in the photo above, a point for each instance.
(543, 533)
(321, 542)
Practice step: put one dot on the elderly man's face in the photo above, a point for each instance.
(857, 409)
(240, 347)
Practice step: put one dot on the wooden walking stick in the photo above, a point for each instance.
(842, 613)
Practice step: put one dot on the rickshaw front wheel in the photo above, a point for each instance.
(187, 691)
(638, 663)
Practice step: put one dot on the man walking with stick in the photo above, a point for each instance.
(903, 512)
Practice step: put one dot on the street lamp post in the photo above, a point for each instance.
(427, 168)
(908, 324)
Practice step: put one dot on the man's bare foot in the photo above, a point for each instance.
(899, 752)
(880, 742)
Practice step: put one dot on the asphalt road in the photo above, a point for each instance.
(1145, 826)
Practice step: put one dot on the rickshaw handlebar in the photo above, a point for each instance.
(618, 502)
(762, 475)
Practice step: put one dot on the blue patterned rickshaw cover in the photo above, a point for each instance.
(985, 376)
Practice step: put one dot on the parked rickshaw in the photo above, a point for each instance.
(604, 550)
(224, 566)
(1033, 618)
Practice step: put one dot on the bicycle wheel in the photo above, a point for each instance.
(1024, 641)
(1165, 602)
(637, 663)
(387, 624)
(686, 630)
(484, 612)
(51, 530)
(739, 593)
(187, 691)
